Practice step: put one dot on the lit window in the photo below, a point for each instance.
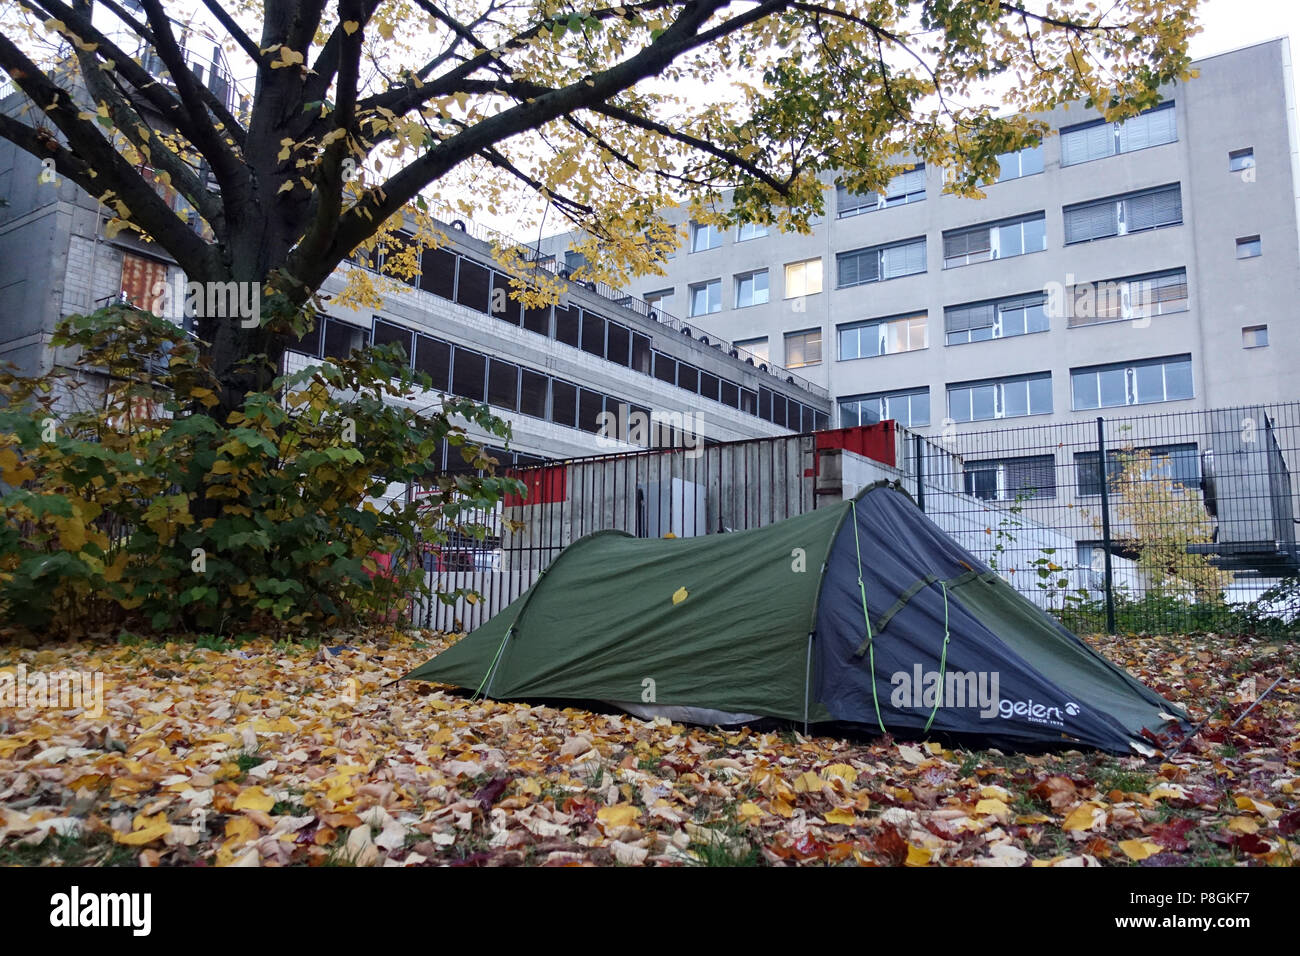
(803, 278)
(755, 347)
(803, 348)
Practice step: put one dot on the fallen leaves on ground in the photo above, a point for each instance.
(273, 755)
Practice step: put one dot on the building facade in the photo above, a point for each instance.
(1151, 265)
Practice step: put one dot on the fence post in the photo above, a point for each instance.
(919, 452)
(1105, 522)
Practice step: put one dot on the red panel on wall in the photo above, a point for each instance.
(545, 486)
(870, 441)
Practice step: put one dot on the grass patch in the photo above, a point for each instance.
(97, 849)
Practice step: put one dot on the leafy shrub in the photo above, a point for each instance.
(127, 503)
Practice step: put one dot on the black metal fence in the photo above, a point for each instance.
(1188, 524)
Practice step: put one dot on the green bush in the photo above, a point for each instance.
(133, 506)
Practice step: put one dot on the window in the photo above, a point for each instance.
(1001, 398)
(909, 407)
(532, 393)
(503, 384)
(1240, 159)
(996, 319)
(705, 237)
(1005, 479)
(1121, 215)
(1097, 140)
(750, 230)
(1024, 162)
(803, 348)
(1144, 296)
(1248, 247)
(755, 347)
(661, 301)
(342, 339)
(469, 374)
(1179, 463)
(1254, 337)
(573, 261)
(751, 289)
(998, 240)
(905, 333)
(803, 278)
(385, 333)
(875, 263)
(706, 297)
(1132, 383)
(908, 186)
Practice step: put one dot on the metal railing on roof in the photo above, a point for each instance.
(627, 300)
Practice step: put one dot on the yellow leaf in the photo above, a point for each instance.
(679, 595)
(1139, 849)
(749, 811)
(141, 837)
(206, 396)
(841, 770)
(285, 186)
(529, 786)
(254, 798)
(917, 856)
(1082, 817)
(240, 830)
(807, 782)
(1243, 825)
(351, 26)
(782, 808)
(847, 817)
(994, 807)
(619, 815)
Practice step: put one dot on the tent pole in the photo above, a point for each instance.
(807, 677)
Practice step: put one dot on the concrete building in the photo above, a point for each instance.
(1152, 263)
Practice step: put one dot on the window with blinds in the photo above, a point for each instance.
(1097, 140)
(995, 240)
(1005, 479)
(1132, 297)
(1121, 215)
(995, 319)
(907, 187)
(875, 263)
(1132, 383)
(909, 407)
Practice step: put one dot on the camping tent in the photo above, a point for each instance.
(860, 613)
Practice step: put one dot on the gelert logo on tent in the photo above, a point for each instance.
(1036, 713)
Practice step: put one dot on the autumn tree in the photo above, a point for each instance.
(361, 110)
(1160, 521)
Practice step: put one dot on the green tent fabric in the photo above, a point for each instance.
(770, 623)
